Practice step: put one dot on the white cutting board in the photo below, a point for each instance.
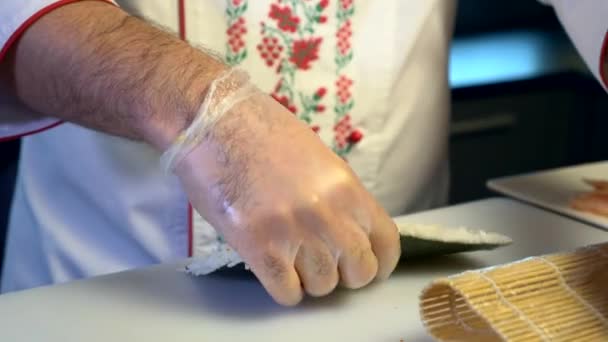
(161, 304)
(553, 189)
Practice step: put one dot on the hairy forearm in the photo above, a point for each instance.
(92, 64)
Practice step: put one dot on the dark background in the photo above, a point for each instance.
(481, 16)
(522, 99)
(525, 103)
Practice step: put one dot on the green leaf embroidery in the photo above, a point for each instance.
(348, 57)
(350, 105)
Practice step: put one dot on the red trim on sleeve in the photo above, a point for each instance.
(13, 39)
(182, 18)
(26, 24)
(181, 15)
(604, 57)
(21, 135)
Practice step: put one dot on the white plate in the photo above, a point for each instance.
(554, 189)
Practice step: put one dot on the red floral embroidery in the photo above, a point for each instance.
(320, 7)
(290, 45)
(236, 49)
(270, 50)
(284, 100)
(343, 35)
(235, 35)
(346, 135)
(305, 51)
(346, 3)
(294, 36)
(285, 19)
(343, 84)
(320, 93)
(355, 136)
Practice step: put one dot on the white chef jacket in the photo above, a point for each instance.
(374, 87)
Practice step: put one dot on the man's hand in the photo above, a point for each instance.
(292, 209)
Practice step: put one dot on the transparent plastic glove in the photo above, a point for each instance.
(293, 210)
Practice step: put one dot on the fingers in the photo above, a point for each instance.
(357, 263)
(278, 276)
(346, 240)
(384, 238)
(313, 250)
(317, 268)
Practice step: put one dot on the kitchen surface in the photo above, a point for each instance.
(527, 138)
(163, 303)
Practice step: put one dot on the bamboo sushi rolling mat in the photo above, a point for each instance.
(556, 297)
